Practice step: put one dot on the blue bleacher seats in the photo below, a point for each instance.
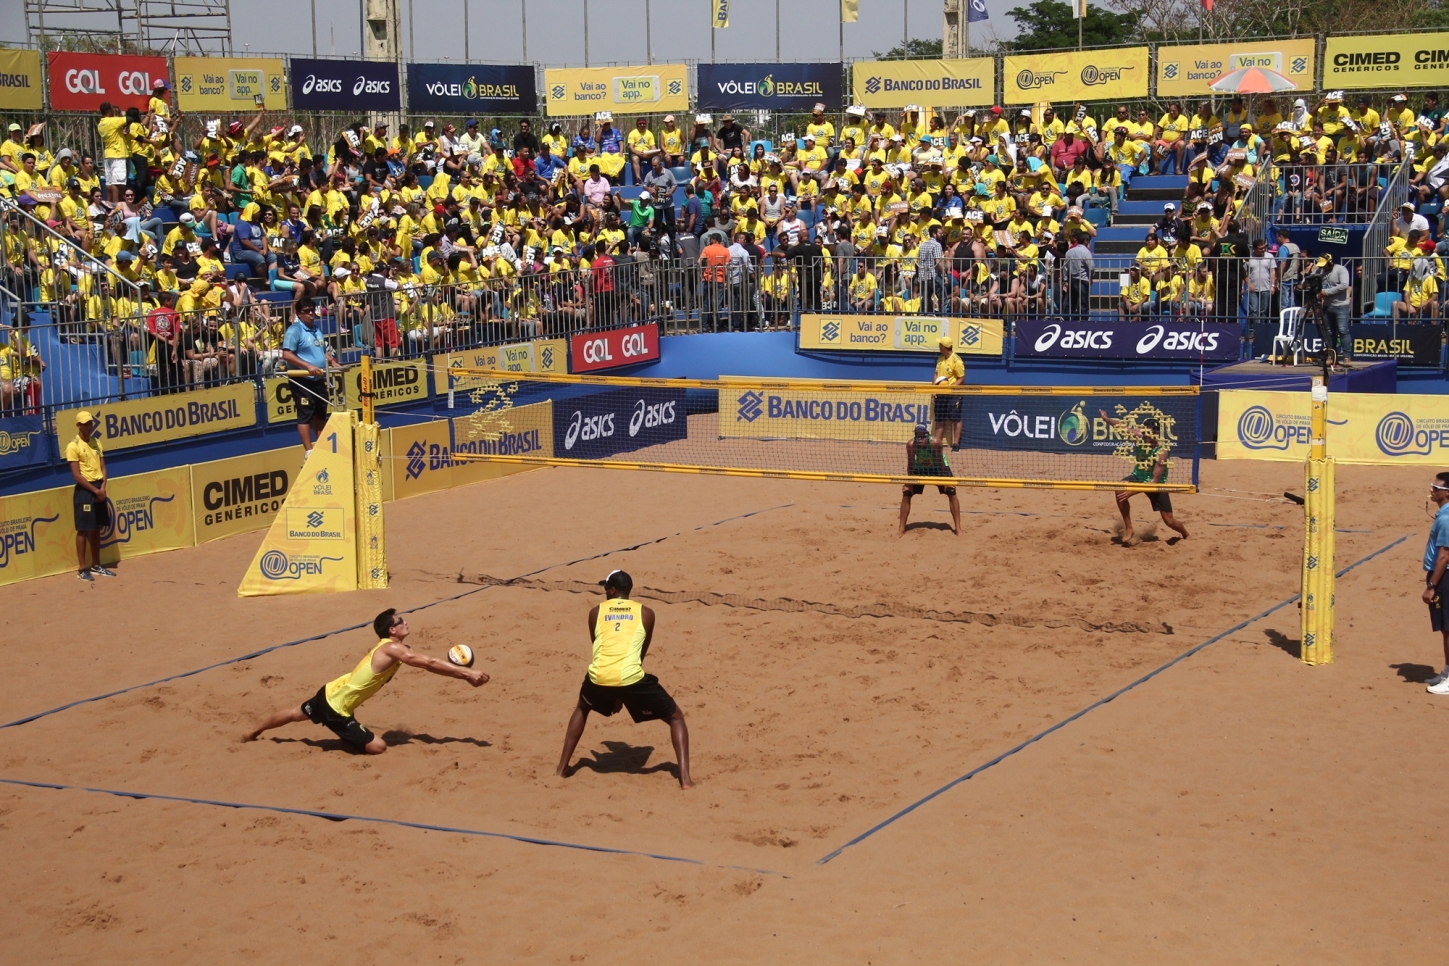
(769, 146)
(1383, 305)
(1097, 216)
(629, 193)
(237, 270)
(425, 181)
(274, 296)
(683, 174)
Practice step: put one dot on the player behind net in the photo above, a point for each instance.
(1149, 453)
(926, 457)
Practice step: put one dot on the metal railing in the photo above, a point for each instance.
(1379, 272)
(1333, 194)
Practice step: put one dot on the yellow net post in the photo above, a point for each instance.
(1318, 539)
(367, 452)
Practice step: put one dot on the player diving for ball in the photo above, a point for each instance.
(334, 704)
(926, 457)
(621, 631)
(1149, 465)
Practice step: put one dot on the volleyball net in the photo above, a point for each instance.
(1085, 438)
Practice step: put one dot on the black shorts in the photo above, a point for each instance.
(311, 397)
(1438, 620)
(90, 513)
(946, 409)
(918, 488)
(343, 726)
(1161, 502)
(646, 699)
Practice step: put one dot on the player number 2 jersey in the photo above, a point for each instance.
(618, 641)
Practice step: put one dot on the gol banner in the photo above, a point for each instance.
(150, 512)
(241, 494)
(637, 90)
(1368, 428)
(951, 83)
(1188, 70)
(155, 419)
(20, 86)
(311, 547)
(1382, 61)
(901, 333)
(1087, 75)
(230, 84)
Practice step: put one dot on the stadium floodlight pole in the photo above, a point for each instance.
(649, 35)
(524, 5)
(906, 27)
(711, 34)
(412, 47)
(466, 56)
(777, 31)
(314, 24)
(586, 33)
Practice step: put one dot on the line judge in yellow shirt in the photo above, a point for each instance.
(334, 704)
(946, 410)
(88, 469)
(621, 631)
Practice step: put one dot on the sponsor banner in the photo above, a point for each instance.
(540, 355)
(82, 82)
(20, 81)
(37, 534)
(769, 87)
(345, 85)
(656, 89)
(939, 83)
(471, 89)
(1186, 71)
(149, 512)
(1087, 75)
(420, 462)
(889, 417)
(141, 422)
(241, 494)
(1362, 427)
(526, 430)
(617, 347)
(1383, 61)
(1184, 341)
(604, 424)
(901, 333)
(1409, 345)
(22, 442)
(1060, 424)
(393, 383)
(310, 546)
(230, 84)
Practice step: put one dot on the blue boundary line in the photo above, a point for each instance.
(352, 627)
(1089, 708)
(341, 817)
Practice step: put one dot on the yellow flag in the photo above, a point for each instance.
(721, 13)
(849, 11)
(311, 546)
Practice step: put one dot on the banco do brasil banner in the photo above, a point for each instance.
(573, 92)
(1386, 60)
(20, 80)
(882, 416)
(900, 333)
(1187, 71)
(345, 85)
(230, 83)
(140, 422)
(936, 83)
(1087, 75)
(83, 82)
(1362, 427)
(471, 89)
(769, 87)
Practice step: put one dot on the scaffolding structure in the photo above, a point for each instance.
(173, 27)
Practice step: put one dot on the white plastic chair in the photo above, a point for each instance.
(1290, 335)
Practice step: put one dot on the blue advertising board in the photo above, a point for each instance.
(1178, 341)
(601, 425)
(345, 85)
(1063, 424)
(769, 87)
(471, 89)
(22, 442)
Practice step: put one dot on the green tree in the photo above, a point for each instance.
(913, 50)
(1049, 25)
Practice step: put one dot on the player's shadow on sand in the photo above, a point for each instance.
(623, 757)
(1284, 643)
(391, 738)
(1414, 673)
(928, 525)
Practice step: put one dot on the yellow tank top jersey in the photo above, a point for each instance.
(350, 690)
(618, 641)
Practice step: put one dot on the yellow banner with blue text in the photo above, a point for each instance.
(889, 417)
(901, 333)
(721, 13)
(20, 86)
(421, 453)
(940, 83)
(156, 419)
(1187, 70)
(230, 84)
(654, 89)
(1385, 61)
(393, 383)
(540, 355)
(1078, 75)
(37, 534)
(311, 545)
(149, 513)
(1366, 428)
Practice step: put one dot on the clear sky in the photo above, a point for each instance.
(808, 28)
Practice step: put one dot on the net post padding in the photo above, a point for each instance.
(1120, 438)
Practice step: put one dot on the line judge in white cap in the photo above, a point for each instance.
(621, 631)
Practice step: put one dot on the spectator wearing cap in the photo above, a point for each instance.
(730, 135)
(1170, 227)
(548, 165)
(671, 143)
(1407, 220)
(643, 147)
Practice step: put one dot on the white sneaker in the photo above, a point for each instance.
(1441, 688)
